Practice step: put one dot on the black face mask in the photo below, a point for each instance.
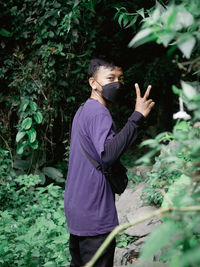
(111, 91)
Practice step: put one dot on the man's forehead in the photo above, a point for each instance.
(109, 70)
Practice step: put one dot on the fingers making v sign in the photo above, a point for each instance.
(143, 104)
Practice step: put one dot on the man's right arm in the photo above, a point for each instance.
(113, 148)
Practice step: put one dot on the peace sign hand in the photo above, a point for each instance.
(143, 105)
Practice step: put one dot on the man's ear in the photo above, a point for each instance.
(92, 83)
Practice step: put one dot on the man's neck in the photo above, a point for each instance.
(96, 96)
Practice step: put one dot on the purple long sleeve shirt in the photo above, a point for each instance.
(89, 203)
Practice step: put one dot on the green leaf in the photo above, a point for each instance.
(140, 37)
(20, 135)
(57, 5)
(159, 238)
(160, 7)
(186, 44)
(51, 34)
(185, 18)
(149, 142)
(126, 22)
(172, 16)
(21, 164)
(176, 191)
(53, 173)
(166, 37)
(24, 105)
(182, 125)
(53, 22)
(70, 99)
(33, 106)
(34, 145)
(27, 123)
(188, 90)
(42, 176)
(38, 117)
(132, 22)
(50, 264)
(5, 33)
(141, 12)
(191, 257)
(32, 135)
(120, 19)
(176, 90)
(20, 148)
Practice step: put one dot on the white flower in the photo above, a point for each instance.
(181, 114)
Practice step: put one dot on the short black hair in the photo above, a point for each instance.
(96, 63)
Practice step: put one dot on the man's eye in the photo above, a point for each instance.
(110, 78)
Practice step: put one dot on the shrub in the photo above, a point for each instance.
(32, 223)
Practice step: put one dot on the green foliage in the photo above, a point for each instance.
(163, 234)
(125, 18)
(32, 223)
(174, 179)
(123, 240)
(45, 54)
(45, 72)
(46, 46)
(173, 23)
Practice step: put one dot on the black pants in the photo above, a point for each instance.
(82, 249)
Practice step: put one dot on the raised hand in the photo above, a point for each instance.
(143, 105)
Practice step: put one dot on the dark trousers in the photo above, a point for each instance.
(82, 249)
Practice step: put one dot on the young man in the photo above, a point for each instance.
(89, 202)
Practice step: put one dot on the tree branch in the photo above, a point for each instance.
(126, 225)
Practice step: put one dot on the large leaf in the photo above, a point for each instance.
(186, 44)
(166, 37)
(5, 33)
(182, 126)
(34, 145)
(20, 135)
(20, 148)
(176, 90)
(170, 16)
(50, 264)
(21, 164)
(159, 238)
(38, 117)
(33, 106)
(32, 135)
(42, 176)
(188, 90)
(184, 18)
(53, 173)
(24, 105)
(139, 37)
(141, 12)
(176, 191)
(26, 123)
(191, 258)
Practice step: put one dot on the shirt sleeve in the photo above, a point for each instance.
(115, 146)
(100, 131)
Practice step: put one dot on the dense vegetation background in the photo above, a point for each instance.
(46, 47)
(45, 50)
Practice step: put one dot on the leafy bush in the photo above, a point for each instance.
(45, 53)
(32, 223)
(175, 178)
(175, 181)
